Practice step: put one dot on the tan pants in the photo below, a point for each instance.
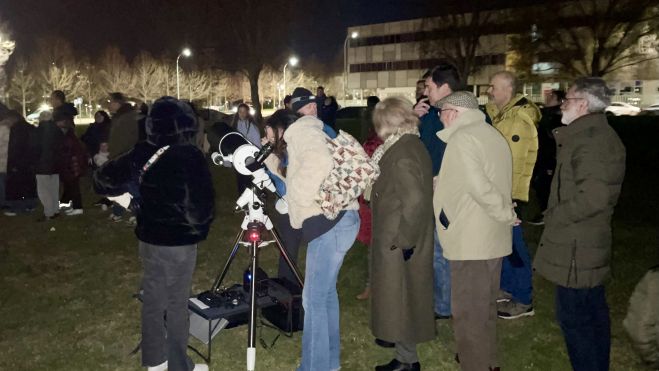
(474, 289)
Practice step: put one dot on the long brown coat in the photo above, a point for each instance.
(402, 291)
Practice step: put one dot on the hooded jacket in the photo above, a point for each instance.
(472, 201)
(518, 121)
(176, 198)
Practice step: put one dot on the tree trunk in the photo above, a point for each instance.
(24, 103)
(254, 89)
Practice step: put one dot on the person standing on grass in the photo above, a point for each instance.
(575, 247)
(174, 211)
(73, 164)
(401, 255)
(516, 118)
(50, 140)
(371, 143)
(244, 123)
(544, 168)
(474, 217)
(309, 164)
(21, 187)
(124, 133)
(439, 82)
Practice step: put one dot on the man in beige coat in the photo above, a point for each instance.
(474, 217)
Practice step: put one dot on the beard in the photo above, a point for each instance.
(568, 116)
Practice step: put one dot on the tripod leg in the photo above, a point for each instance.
(251, 333)
(225, 270)
(287, 258)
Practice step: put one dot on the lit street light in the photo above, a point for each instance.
(353, 35)
(293, 61)
(186, 53)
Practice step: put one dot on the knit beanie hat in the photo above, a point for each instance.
(301, 97)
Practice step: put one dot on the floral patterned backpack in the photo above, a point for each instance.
(352, 173)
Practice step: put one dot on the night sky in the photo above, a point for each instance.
(90, 25)
(135, 25)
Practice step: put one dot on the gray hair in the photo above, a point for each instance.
(595, 91)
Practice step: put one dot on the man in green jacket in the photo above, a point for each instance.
(575, 247)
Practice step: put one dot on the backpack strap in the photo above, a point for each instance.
(152, 161)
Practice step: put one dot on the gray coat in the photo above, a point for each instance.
(575, 247)
(402, 291)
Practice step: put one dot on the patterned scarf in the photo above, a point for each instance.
(393, 138)
(381, 150)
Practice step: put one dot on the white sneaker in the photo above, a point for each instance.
(72, 212)
(160, 367)
(200, 367)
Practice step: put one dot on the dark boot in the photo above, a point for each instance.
(396, 365)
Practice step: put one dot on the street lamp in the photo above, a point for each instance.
(293, 61)
(186, 53)
(352, 35)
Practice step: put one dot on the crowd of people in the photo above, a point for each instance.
(447, 208)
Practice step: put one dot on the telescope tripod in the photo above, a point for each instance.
(255, 223)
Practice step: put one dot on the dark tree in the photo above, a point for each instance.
(250, 35)
(590, 37)
(456, 35)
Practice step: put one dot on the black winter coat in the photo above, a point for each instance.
(50, 140)
(21, 162)
(96, 133)
(176, 197)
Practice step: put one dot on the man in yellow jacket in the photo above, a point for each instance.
(516, 118)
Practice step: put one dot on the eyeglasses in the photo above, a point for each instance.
(566, 99)
(445, 110)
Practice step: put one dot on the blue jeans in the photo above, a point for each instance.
(584, 319)
(321, 343)
(442, 285)
(516, 273)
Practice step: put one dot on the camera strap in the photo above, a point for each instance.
(152, 161)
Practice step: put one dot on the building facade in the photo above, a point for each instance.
(389, 58)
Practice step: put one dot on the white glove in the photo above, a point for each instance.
(123, 200)
(281, 206)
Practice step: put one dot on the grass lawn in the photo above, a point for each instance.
(66, 295)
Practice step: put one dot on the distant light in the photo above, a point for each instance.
(293, 61)
(44, 107)
(354, 34)
(186, 52)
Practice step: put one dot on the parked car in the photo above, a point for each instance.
(33, 118)
(350, 112)
(620, 108)
(652, 110)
